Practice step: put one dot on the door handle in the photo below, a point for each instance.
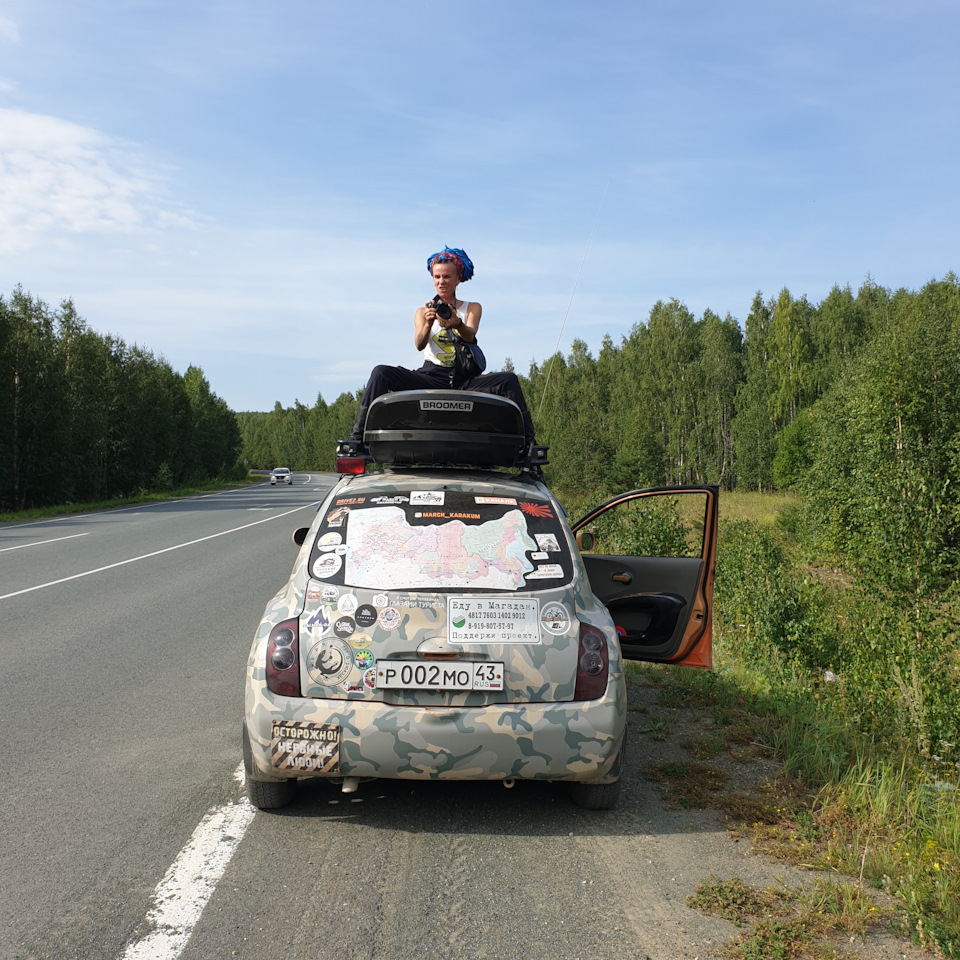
(622, 577)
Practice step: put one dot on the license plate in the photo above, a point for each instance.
(446, 675)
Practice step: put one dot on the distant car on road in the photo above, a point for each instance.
(445, 621)
(281, 475)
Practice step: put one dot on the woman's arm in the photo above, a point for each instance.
(423, 324)
(466, 328)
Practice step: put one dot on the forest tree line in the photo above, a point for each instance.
(854, 401)
(86, 418)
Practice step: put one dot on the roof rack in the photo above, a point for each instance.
(443, 428)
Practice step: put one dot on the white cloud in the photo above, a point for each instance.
(59, 176)
(8, 31)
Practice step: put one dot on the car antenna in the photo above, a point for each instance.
(572, 292)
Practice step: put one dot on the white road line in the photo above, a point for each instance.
(156, 553)
(181, 895)
(40, 543)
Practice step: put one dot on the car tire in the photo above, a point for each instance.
(270, 794)
(264, 794)
(596, 796)
(600, 796)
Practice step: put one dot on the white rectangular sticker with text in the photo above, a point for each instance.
(492, 620)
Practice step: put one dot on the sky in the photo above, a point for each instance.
(254, 188)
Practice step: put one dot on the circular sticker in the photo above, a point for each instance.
(327, 565)
(329, 540)
(329, 594)
(347, 603)
(380, 600)
(343, 627)
(314, 593)
(360, 641)
(363, 659)
(329, 662)
(389, 618)
(366, 616)
(370, 678)
(555, 618)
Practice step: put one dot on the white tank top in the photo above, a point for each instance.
(439, 348)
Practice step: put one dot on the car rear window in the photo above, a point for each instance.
(441, 540)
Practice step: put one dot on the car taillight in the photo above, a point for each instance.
(592, 664)
(283, 659)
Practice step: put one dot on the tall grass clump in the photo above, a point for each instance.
(864, 682)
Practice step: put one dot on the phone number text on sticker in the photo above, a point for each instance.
(451, 675)
(492, 620)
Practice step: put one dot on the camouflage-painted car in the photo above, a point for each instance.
(451, 625)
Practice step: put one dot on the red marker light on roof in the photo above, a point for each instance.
(351, 464)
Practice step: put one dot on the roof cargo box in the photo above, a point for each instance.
(444, 428)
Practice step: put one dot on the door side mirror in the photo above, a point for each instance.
(586, 541)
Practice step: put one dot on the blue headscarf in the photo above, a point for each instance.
(455, 256)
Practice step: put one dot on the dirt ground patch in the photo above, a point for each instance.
(716, 762)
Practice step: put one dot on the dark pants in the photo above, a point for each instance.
(431, 376)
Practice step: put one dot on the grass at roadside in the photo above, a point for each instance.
(42, 513)
(838, 804)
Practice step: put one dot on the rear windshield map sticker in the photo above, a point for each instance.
(388, 551)
(493, 620)
(301, 745)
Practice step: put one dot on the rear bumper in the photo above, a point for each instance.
(540, 741)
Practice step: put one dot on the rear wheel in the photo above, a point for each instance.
(596, 796)
(264, 794)
(270, 795)
(600, 796)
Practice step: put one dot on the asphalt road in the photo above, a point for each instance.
(123, 638)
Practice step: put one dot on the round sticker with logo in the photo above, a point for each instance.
(327, 565)
(370, 678)
(329, 540)
(329, 662)
(330, 594)
(363, 659)
(360, 641)
(366, 616)
(380, 600)
(314, 593)
(347, 604)
(343, 627)
(389, 618)
(555, 618)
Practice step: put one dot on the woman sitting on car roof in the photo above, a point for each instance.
(434, 336)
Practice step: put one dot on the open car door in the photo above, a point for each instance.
(650, 557)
